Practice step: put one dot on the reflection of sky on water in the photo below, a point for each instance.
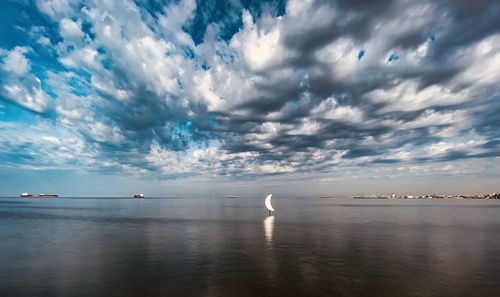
(268, 228)
(227, 248)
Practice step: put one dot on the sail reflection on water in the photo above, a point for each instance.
(268, 228)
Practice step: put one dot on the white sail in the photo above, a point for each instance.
(268, 202)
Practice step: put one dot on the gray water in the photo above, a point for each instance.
(229, 247)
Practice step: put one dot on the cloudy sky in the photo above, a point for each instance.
(298, 97)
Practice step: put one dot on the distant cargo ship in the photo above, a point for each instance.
(26, 195)
(139, 195)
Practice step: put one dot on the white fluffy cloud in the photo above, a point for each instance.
(70, 30)
(259, 44)
(19, 85)
(16, 62)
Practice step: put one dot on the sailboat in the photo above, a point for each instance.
(268, 204)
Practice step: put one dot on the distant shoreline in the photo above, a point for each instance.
(493, 196)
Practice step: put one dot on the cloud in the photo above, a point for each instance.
(70, 29)
(42, 40)
(15, 62)
(310, 87)
(19, 85)
(56, 8)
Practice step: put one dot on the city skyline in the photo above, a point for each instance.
(110, 98)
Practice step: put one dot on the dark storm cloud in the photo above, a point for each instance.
(274, 96)
(354, 18)
(305, 41)
(470, 21)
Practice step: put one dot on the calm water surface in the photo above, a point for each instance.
(229, 247)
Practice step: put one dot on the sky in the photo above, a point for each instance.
(299, 97)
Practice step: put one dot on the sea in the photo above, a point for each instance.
(231, 247)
